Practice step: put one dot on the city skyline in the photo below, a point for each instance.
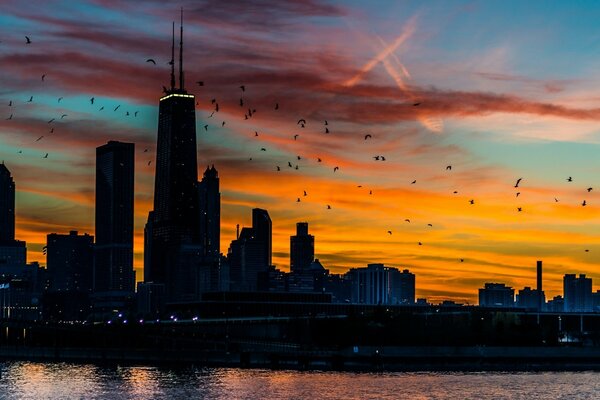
(440, 122)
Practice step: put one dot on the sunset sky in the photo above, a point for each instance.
(498, 90)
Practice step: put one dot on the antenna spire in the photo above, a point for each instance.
(173, 58)
(181, 52)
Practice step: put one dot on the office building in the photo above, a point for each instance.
(113, 257)
(302, 248)
(496, 295)
(69, 260)
(577, 293)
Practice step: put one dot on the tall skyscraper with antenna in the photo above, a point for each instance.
(173, 238)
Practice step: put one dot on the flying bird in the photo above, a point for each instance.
(30, 99)
(584, 203)
(223, 123)
(206, 127)
(519, 209)
(52, 120)
(299, 158)
(589, 189)
(296, 137)
(135, 113)
(149, 162)
(430, 225)
(518, 193)
(145, 150)
(326, 123)
(62, 116)
(420, 244)
(390, 232)
(10, 103)
(326, 130)
(59, 99)
(319, 160)
(305, 194)
(290, 164)
(278, 169)
(263, 149)
(242, 103)
(27, 40)
(255, 133)
(277, 106)
(376, 158)
(151, 61)
(569, 179)
(243, 88)
(367, 136)
(92, 100)
(117, 107)
(298, 200)
(416, 104)
(40, 138)
(413, 182)
(301, 122)
(335, 168)
(45, 156)
(328, 207)
(407, 220)
(449, 168)
(43, 76)
(518, 181)
(472, 201)
(555, 200)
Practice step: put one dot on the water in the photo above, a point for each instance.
(29, 380)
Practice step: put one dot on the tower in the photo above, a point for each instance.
(7, 206)
(210, 214)
(302, 248)
(113, 258)
(173, 242)
(261, 224)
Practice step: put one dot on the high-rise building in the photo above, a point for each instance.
(302, 248)
(496, 295)
(210, 214)
(577, 293)
(402, 287)
(378, 284)
(113, 258)
(7, 205)
(261, 224)
(173, 239)
(530, 298)
(69, 260)
(12, 251)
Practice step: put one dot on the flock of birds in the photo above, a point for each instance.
(250, 112)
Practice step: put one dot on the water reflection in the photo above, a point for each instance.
(27, 380)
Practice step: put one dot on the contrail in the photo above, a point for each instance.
(407, 32)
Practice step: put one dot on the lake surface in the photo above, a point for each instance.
(32, 380)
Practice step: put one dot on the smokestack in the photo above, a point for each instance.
(539, 285)
(237, 231)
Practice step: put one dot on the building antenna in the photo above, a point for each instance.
(173, 58)
(181, 52)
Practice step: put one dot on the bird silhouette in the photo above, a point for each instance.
(62, 116)
(117, 107)
(335, 168)
(462, 260)
(326, 130)
(416, 104)
(589, 189)
(555, 200)
(52, 120)
(569, 179)
(299, 158)
(51, 130)
(243, 88)
(319, 160)
(206, 127)
(30, 99)
(472, 201)
(370, 192)
(145, 150)
(390, 232)
(101, 108)
(296, 137)
(449, 167)
(420, 244)
(376, 158)
(43, 76)
(584, 203)
(326, 123)
(290, 164)
(92, 100)
(10, 103)
(298, 200)
(430, 225)
(242, 103)
(40, 138)
(277, 106)
(27, 40)
(59, 99)
(328, 207)
(305, 193)
(413, 182)
(296, 167)
(213, 101)
(368, 136)
(382, 158)
(278, 169)
(263, 149)
(301, 122)
(518, 193)
(587, 250)
(223, 123)
(407, 220)
(46, 155)
(150, 60)
(519, 209)
(217, 107)
(149, 162)
(518, 181)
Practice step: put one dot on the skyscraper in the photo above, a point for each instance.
(113, 258)
(7, 205)
(577, 293)
(302, 248)
(12, 251)
(210, 214)
(173, 240)
(261, 224)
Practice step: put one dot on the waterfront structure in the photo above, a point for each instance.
(402, 287)
(496, 295)
(12, 251)
(302, 248)
(113, 253)
(577, 293)
(69, 261)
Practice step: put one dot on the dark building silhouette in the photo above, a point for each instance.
(540, 293)
(496, 295)
(402, 287)
(302, 248)
(261, 224)
(7, 205)
(172, 235)
(69, 260)
(530, 298)
(12, 251)
(378, 284)
(113, 261)
(249, 255)
(210, 214)
(557, 304)
(577, 293)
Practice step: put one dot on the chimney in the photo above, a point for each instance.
(539, 286)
